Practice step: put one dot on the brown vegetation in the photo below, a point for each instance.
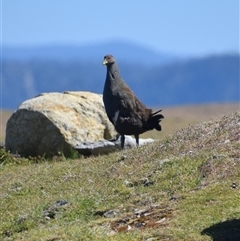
(175, 117)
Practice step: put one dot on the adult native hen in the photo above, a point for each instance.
(127, 113)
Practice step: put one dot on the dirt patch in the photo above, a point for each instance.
(152, 217)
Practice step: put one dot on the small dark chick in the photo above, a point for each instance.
(126, 112)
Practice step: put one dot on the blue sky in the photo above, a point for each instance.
(185, 27)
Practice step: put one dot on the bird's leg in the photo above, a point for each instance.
(137, 139)
(122, 141)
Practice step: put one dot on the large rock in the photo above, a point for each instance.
(54, 123)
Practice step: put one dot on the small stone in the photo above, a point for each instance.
(140, 212)
(61, 202)
(151, 239)
(54, 209)
(110, 214)
(129, 227)
(161, 220)
(128, 184)
(139, 225)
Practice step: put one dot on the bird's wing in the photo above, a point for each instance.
(130, 105)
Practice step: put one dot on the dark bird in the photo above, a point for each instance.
(126, 112)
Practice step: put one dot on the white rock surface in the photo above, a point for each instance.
(54, 123)
(107, 146)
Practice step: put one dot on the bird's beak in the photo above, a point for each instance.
(104, 62)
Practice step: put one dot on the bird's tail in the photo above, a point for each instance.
(154, 121)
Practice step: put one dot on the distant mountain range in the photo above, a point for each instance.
(157, 79)
(122, 50)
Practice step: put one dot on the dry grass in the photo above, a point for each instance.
(175, 117)
(183, 187)
(180, 117)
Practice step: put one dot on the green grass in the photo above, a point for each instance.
(181, 185)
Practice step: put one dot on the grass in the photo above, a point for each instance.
(184, 186)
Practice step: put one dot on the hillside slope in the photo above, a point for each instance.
(183, 187)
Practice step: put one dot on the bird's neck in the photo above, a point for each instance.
(113, 72)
